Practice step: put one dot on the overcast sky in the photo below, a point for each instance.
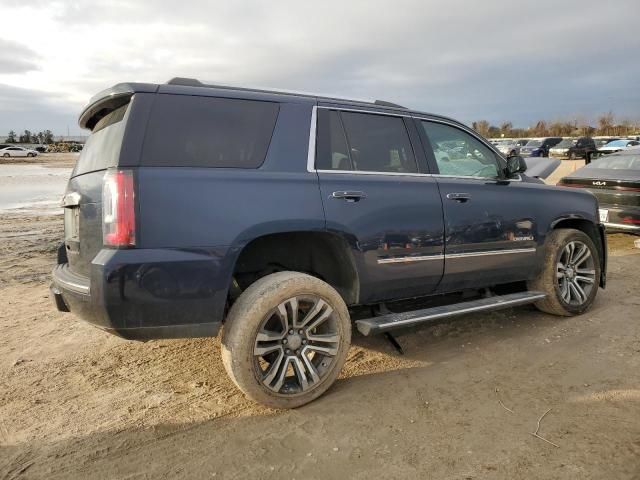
(496, 59)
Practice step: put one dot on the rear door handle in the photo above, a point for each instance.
(349, 196)
(459, 197)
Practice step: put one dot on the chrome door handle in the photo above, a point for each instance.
(459, 197)
(349, 196)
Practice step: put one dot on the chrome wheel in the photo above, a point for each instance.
(296, 345)
(576, 273)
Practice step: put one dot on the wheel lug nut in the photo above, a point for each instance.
(300, 332)
(291, 332)
(284, 341)
(304, 341)
(287, 351)
(297, 352)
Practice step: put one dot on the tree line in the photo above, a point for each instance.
(28, 136)
(606, 125)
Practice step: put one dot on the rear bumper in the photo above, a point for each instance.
(622, 219)
(144, 294)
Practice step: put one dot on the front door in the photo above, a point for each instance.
(375, 195)
(490, 227)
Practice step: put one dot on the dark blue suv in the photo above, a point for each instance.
(285, 217)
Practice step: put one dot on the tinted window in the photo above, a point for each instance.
(102, 149)
(378, 143)
(332, 153)
(459, 153)
(208, 132)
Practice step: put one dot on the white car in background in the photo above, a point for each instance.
(617, 145)
(17, 152)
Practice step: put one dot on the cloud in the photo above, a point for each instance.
(497, 60)
(34, 110)
(16, 58)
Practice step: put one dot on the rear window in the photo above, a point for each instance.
(102, 149)
(208, 132)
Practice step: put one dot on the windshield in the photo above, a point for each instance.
(616, 162)
(534, 143)
(617, 143)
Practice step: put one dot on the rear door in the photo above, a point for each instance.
(376, 192)
(490, 225)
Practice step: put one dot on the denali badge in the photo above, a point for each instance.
(599, 183)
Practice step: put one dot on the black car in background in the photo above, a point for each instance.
(539, 147)
(615, 181)
(584, 147)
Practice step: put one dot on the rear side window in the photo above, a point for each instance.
(208, 132)
(363, 142)
(102, 149)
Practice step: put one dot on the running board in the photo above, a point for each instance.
(393, 321)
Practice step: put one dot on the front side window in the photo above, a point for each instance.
(364, 142)
(458, 153)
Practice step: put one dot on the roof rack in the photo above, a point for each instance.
(192, 82)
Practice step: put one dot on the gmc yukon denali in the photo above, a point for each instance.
(284, 219)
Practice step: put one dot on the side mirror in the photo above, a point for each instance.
(515, 165)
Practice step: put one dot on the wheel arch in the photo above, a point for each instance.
(319, 253)
(595, 233)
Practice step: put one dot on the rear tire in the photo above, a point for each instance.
(6, 155)
(286, 339)
(570, 275)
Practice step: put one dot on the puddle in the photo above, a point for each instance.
(32, 189)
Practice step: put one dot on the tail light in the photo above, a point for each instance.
(118, 209)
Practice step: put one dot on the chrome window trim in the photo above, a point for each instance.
(446, 256)
(311, 154)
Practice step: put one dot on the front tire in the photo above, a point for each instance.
(570, 275)
(286, 339)
(6, 155)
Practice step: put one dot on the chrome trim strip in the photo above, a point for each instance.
(621, 225)
(490, 252)
(374, 112)
(311, 154)
(312, 145)
(453, 313)
(420, 258)
(410, 259)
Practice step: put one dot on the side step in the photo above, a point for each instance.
(392, 321)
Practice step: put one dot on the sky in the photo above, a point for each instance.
(499, 60)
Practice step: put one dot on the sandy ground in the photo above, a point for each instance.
(461, 403)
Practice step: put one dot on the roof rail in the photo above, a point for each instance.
(187, 82)
(193, 82)
(383, 103)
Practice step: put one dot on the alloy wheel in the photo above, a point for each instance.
(296, 345)
(575, 272)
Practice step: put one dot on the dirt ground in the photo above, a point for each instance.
(461, 403)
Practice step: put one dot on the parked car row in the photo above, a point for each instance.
(559, 147)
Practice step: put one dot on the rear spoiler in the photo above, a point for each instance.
(108, 100)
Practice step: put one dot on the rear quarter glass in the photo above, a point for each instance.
(102, 149)
(193, 131)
